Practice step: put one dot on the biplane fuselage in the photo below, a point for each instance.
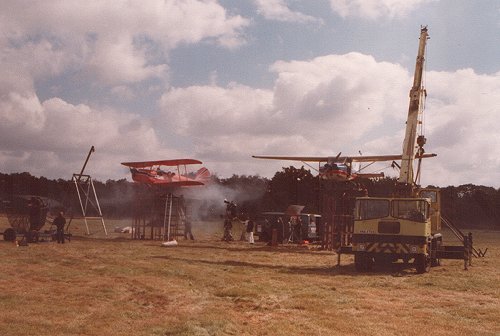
(154, 176)
(151, 173)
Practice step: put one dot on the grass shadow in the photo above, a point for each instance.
(280, 268)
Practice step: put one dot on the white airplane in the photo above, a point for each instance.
(339, 168)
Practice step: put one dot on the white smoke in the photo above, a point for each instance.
(208, 201)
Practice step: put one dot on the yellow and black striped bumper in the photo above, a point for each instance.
(389, 244)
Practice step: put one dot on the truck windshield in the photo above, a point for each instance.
(371, 209)
(415, 210)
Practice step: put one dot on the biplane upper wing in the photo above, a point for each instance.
(340, 159)
(176, 162)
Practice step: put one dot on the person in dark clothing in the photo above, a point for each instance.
(231, 213)
(250, 227)
(187, 230)
(60, 222)
(34, 213)
(228, 236)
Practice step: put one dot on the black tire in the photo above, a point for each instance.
(384, 259)
(363, 262)
(422, 264)
(9, 235)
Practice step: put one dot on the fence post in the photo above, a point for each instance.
(470, 248)
(466, 251)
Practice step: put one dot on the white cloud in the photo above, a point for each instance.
(341, 90)
(316, 107)
(212, 110)
(120, 41)
(278, 10)
(462, 125)
(58, 133)
(373, 9)
(342, 103)
(120, 50)
(113, 44)
(21, 113)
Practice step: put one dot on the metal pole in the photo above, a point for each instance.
(169, 216)
(92, 149)
(81, 203)
(466, 252)
(165, 217)
(98, 205)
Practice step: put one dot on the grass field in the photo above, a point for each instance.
(111, 285)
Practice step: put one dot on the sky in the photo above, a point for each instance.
(222, 80)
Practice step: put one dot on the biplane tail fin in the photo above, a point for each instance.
(202, 175)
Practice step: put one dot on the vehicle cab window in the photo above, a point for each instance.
(371, 209)
(414, 210)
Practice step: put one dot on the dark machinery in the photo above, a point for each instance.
(27, 214)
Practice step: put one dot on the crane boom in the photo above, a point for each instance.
(417, 93)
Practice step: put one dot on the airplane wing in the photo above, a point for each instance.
(174, 183)
(376, 158)
(176, 162)
(185, 183)
(339, 159)
(294, 158)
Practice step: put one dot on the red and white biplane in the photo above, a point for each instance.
(175, 175)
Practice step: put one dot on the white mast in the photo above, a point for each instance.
(417, 94)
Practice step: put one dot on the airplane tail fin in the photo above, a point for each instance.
(202, 175)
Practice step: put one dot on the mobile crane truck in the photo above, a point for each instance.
(405, 226)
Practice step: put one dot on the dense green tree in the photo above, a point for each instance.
(293, 186)
(468, 205)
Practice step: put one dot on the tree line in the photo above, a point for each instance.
(467, 206)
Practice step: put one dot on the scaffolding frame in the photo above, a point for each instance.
(87, 196)
(165, 217)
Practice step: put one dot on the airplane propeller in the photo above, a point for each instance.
(330, 161)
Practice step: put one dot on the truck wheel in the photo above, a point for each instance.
(363, 262)
(384, 259)
(422, 264)
(9, 235)
(360, 262)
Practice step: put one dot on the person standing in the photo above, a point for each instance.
(228, 236)
(187, 230)
(250, 226)
(60, 222)
(34, 213)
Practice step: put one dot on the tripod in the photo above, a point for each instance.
(293, 237)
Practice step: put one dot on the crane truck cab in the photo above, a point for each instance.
(387, 229)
